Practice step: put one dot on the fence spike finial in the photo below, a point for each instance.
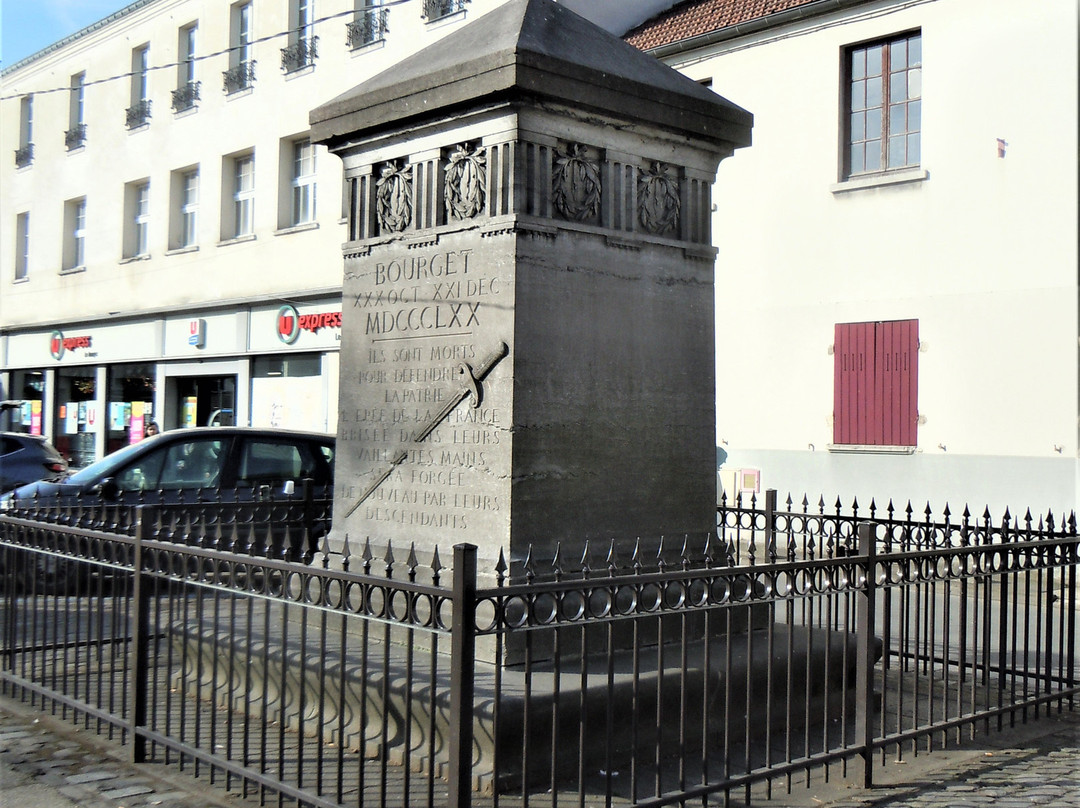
(612, 564)
(530, 573)
(585, 560)
(500, 567)
(635, 558)
(437, 565)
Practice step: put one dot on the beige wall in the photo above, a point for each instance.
(983, 251)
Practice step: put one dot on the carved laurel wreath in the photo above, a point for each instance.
(394, 197)
(465, 190)
(576, 184)
(658, 198)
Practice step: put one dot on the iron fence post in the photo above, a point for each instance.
(864, 633)
(462, 670)
(139, 665)
(770, 524)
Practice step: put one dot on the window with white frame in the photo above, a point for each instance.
(241, 170)
(138, 114)
(187, 87)
(24, 155)
(75, 136)
(74, 234)
(189, 207)
(369, 25)
(303, 182)
(241, 72)
(883, 128)
(303, 44)
(22, 246)
(137, 219)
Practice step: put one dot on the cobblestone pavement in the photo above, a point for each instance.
(46, 762)
(1037, 764)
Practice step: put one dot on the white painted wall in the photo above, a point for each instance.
(983, 252)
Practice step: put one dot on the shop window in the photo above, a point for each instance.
(76, 412)
(287, 391)
(22, 246)
(883, 90)
(74, 234)
(29, 387)
(876, 383)
(130, 404)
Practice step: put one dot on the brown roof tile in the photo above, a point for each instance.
(695, 17)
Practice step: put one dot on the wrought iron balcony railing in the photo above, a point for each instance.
(370, 26)
(24, 156)
(302, 53)
(435, 9)
(240, 77)
(138, 114)
(185, 96)
(75, 136)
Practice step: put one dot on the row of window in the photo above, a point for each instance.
(369, 25)
(237, 213)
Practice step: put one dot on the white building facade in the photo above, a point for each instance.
(897, 280)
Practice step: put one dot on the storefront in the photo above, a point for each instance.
(92, 388)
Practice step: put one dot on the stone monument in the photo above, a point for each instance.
(528, 347)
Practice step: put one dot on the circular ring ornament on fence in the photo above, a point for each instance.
(783, 584)
(650, 598)
(487, 614)
(675, 595)
(295, 586)
(719, 591)
(742, 588)
(572, 606)
(600, 603)
(399, 606)
(314, 592)
(545, 609)
(375, 602)
(515, 611)
(802, 581)
(626, 600)
(352, 599)
(697, 593)
(333, 594)
(424, 611)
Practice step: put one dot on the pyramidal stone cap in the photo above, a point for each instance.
(538, 50)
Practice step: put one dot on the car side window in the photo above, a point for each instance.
(7, 446)
(142, 475)
(194, 463)
(271, 462)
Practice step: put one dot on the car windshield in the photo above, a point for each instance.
(106, 466)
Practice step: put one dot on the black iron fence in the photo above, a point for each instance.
(788, 646)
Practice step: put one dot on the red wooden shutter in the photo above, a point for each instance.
(875, 383)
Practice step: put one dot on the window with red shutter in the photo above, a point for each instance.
(875, 383)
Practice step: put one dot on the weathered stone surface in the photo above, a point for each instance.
(528, 328)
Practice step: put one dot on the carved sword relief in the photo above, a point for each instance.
(471, 378)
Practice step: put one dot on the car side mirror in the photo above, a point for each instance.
(108, 489)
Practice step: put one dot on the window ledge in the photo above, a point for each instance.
(183, 250)
(854, 448)
(242, 93)
(300, 71)
(880, 180)
(237, 240)
(375, 44)
(132, 258)
(23, 279)
(297, 228)
(186, 112)
(446, 19)
(73, 270)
